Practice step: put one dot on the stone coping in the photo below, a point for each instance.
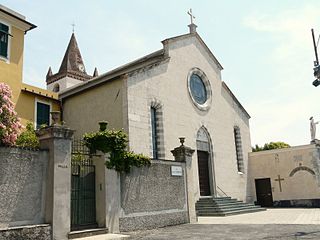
(16, 148)
(24, 226)
(280, 150)
(167, 162)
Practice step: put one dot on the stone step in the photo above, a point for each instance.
(227, 207)
(107, 236)
(218, 203)
(224, 206)
(214, 209)
(234, 204)
(87, 233)
(213, 199)
(222, 214)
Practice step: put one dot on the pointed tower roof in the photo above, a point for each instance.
(72, 64)
(72, 60)
(49, 74)
(95, 73)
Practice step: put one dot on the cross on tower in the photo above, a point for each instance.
(279, 180)
(73, 25)
(191, 15)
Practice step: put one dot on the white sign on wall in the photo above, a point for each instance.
(176, 171)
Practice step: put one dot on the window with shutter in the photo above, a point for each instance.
(4, 34)
(238, 144)
(43, 114)
(154, 133)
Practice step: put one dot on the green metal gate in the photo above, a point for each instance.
(83, 194)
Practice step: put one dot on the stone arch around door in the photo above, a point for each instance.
(205, 162)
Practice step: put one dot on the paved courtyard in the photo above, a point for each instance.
(277, 223)
(271, 216)
(267, 225)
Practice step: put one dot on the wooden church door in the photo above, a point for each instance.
(203, 170)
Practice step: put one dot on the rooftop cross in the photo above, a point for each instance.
(73, 25)
(191, 15)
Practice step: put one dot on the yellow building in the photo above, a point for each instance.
(32, 104)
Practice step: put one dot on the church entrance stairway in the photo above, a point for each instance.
(224, 206)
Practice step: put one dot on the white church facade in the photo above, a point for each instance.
(174, 92)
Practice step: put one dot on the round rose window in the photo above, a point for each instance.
(198, 89)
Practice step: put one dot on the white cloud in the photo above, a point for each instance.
(285, 115)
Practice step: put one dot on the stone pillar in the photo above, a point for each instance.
(184, 154)
(57, 140)
(113, 199)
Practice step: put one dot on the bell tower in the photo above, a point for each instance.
(72, 70)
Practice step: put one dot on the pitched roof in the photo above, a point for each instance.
(72, 64)
(72, 58)
(147, 60)
(152, 58)
(39, 91)
(225, 86)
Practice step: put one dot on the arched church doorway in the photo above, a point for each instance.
(204, 163)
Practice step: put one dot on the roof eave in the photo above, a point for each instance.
(200, 40)
(155, 57)
(225, 86)
(31, 25)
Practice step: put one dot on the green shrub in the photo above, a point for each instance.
(115, 143)
(28, 138)
(270, 146)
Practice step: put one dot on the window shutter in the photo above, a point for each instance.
(154, 133)
(43, 112)
(238, 145)
(4, 30)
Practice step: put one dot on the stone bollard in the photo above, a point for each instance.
(57, 140)
(184, 154)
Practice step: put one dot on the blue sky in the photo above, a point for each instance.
(265, 48)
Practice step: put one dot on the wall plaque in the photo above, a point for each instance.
(176, 171)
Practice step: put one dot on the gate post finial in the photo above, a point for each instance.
(182, 152)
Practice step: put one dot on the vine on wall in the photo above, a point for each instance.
(115, 142)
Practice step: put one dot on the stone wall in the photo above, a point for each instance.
(42, 232)
(22, 186)
(151, 197)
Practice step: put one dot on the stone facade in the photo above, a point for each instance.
(298, 167)
(23, 177)
(125, 95)
(167, 84)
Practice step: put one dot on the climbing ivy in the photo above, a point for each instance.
(115, 142)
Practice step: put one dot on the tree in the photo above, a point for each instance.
(270, 146)
(10, 125)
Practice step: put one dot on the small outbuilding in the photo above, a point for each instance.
(288, 177)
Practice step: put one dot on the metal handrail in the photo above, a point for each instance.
(222, 191)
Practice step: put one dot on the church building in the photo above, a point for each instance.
(174, 92)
